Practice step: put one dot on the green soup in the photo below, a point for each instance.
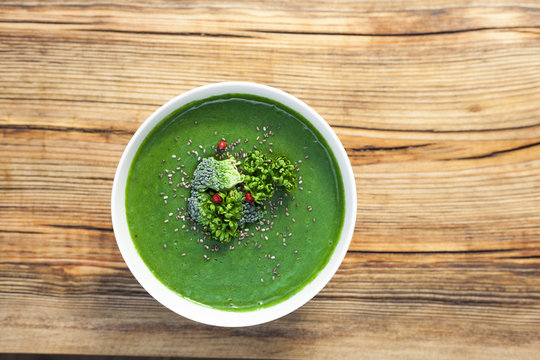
(277, 257)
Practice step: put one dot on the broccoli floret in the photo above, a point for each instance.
(251, 212)
(219, 219)
(196, 207)
(216, 174)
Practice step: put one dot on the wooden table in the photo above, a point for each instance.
(437, 104)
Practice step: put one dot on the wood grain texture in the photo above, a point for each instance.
(437, 104)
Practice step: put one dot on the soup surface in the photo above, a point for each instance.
(273, 259)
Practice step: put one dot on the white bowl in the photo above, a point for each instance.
(190, 309)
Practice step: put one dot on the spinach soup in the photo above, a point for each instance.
(235, 202)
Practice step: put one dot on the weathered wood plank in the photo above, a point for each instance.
(412, 305)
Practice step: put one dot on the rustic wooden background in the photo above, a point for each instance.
(438, 106)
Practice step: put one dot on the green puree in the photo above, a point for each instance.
(277, 258)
